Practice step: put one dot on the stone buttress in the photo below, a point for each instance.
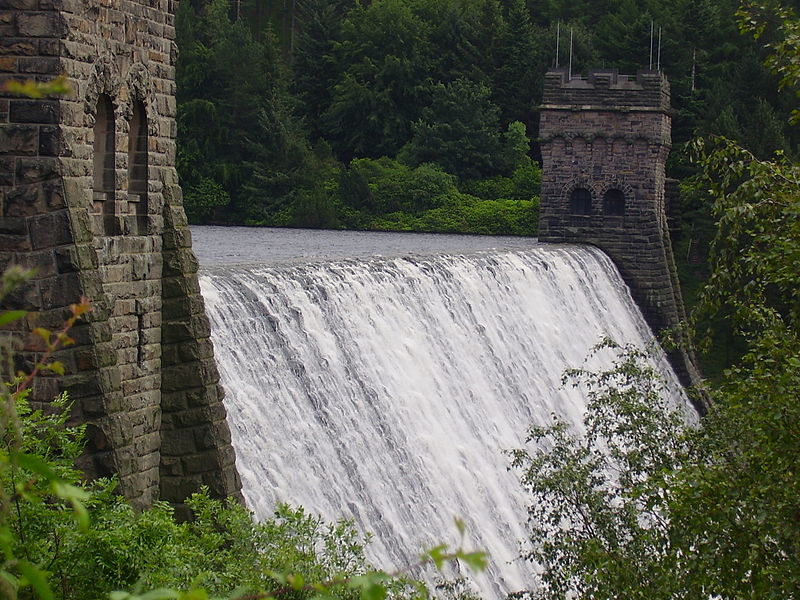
(90, 200)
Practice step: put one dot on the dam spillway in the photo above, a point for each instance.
(386, 389)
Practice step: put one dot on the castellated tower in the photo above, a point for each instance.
(90, 200)
(605, 141)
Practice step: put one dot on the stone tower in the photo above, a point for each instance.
(90, 199)
(605, 141)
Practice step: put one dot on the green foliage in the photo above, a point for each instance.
(599, 518)
(520, 69)
(386, 185)
(440, 81)
(384, 60)
(242, 156)
(458, 130)
(201, 199)
(461, 213)
(524, 184)
(754, 256)
(686, 513)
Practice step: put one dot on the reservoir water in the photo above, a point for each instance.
(379, 377)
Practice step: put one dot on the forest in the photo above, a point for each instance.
(421, 115)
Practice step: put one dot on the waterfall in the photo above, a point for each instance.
(385, 390)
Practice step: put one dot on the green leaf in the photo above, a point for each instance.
(296, 582)
(81, 514)
(34, 464)
(56, 367)
(476, 560)
(11, 315)
(43, 333)
(437, 555)
(37, 579)
(6, 542)
(374, 591)
(460, 525)
(12, 581)
(68, 491)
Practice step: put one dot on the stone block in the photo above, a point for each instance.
(45, 24)
(39, 65)
(60, 290)
(171, 466)
(176, 489)
(19, 139)
(17, 47)
(174, 401)
(178, 442)
(13, 226)
(35, 169)
(34, 111)
(50, 143)
(50, 230)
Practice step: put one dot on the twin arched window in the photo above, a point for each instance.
(134, 215)
(580, 201)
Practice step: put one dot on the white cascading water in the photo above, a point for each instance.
(385, 390)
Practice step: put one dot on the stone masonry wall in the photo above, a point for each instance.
(90, 199)
(605, 135)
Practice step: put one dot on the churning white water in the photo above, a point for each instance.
(386, 389)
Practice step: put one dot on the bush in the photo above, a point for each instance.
(461, 213)
(385, 185)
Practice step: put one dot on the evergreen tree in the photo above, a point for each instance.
(385, 63)
(518, 79)
(314, 66)
(459, 131)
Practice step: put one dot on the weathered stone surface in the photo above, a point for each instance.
(142, 370)
(19, 139)
(605, 141)
(33, 111)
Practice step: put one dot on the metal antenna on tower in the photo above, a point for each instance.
(694, 63)
(651, 46)
(558, 39)
(658, 68)
(570, 53)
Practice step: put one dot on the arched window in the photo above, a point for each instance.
(103, 181)
(614, 203)
(581, 201)
(137, 170)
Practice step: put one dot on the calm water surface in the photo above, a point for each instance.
(215, 245)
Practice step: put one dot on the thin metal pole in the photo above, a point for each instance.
(570, 53)
(651, 45)
(694, 63)
(658, 68)
(558, 40)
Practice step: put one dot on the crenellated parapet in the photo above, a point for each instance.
(90, 199)
(606, 89)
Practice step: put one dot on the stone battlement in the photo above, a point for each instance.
(606, 90)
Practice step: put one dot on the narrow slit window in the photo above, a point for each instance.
(104, 165)
(614, 203)
(137, 170)
(581, 201)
